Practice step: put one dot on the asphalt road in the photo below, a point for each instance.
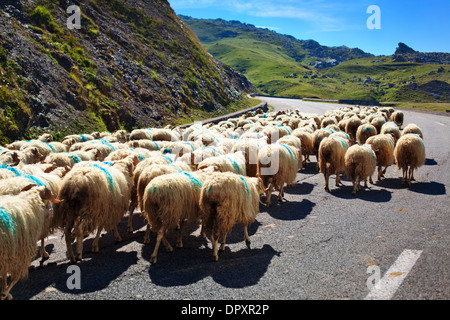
(315, 245)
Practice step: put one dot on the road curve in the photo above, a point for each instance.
(313, 245)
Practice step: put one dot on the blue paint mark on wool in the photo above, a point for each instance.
(6, 222)
(194, 180)
(373, 153)
(289, 150)
(246, 185)
(108, 175)
(106, 143)
(50, 146)
(83, 137)
(235, 165)
(30, 177)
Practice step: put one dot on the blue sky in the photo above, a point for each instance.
(422, 25)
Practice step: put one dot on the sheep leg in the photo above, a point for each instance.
(44, 254)
(95, 248)
(159, 237)
(214, 241)
(133, 205)
(68, 238)
(268, 195)
(80, 237)
(222, 245)
(326, 177)
(380, 172)
(147, 235)
(246, 237)
(117, 236)
(180, 235)
(411, 175)
(281, 194)
(404, 175)
(5, 295)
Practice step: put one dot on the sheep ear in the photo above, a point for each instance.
(29, 187)
(46, 194)
(51, 168)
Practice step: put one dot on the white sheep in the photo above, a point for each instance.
(96, 196)
(409, 154)
(331, 156)
(22, 219)
(278, 165)
(169, 201)
(228, 199)
(383, 145)
(360, 163)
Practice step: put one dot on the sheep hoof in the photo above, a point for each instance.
(153, 260)
(45, 255)
(216, 258)
(4, 296)
(130, 229)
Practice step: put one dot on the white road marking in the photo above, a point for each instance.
(393, 278)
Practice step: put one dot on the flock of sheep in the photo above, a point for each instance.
(211, 174)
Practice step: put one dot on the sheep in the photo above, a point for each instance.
(296, 143)
(278, 165)
(10, 158)
(232, 162)
(95, 196)
(384, 150)
(409, 153)
(365, 131)
(331, 157)
(250, 148)
(360, 162)
(392, 129)
(22, 219)
(378, 122)
(228, 199)
(397, 117)
(139, 168)
(169, 201)
(307, 143)
(30, 155)
(147, 175)
(77, 138)
(46, 137)
(62, 159)
(351, 127)
(412, 128)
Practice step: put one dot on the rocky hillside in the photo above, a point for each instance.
(132, 64)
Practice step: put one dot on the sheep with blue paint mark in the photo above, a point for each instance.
(22, 219)
(409, 154)
(169, 201)
(360, 162)
(383, 145)
(365, 131)
(228, 199)
(278, 165)
(331, 157)
(231, 162)
(96, 197)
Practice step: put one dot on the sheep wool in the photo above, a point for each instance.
(228, 199)
(169, 201)
(360, 163)
(22, 220)
(96, 196)
(383, 145)
(331, 157)
(409, 154)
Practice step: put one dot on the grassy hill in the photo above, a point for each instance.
(281, 65)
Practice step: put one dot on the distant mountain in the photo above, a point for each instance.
(132, 64)
(405, 53)
(309, 52)
(281, 65)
